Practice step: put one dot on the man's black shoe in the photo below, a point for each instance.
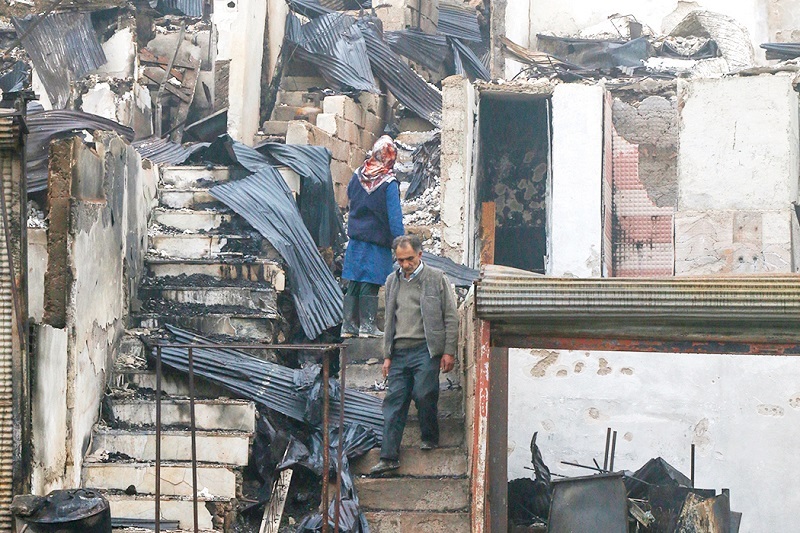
(427, 446)
(383, 466)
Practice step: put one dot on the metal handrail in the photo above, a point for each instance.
(193, 429)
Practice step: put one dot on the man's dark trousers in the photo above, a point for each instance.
(413, 374)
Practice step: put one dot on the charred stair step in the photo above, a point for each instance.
(418, 522)
(172, 383)
(255, 297)
(450, 403)
(176, 478)
(187, 198)
(223, 269)
(444, 462)
(184, 177)
(247, 327)
(192, 220)
(210, 414)
(223, 447)
(203, 245)
(413, 494)
(173, 508)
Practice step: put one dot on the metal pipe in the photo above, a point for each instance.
(613, 451)
(608, 444)
(158, 441)
(340, 450)
(325, 441)
(193, 425)
(692, 468)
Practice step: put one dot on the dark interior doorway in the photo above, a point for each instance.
(514, 151)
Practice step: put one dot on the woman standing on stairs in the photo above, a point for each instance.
(375, 219)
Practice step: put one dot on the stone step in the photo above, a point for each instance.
(364, 376)
(191, 220)
(174, 508)
(200, 245)
(361, 350)
(418, 522)
(176, 478)
(188, 198)
(181, 177)
(245, 327)
(210, 415)
(172, 383)
(275, 127)
(413, 494)
(262, 299)
(232, 268)
(451, 432)
(230, 448)
(450, 403)
(445, 462)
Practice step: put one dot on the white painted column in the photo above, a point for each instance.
(575, 211)
(240, 25)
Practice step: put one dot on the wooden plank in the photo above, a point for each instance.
(149, 57)
(168, 86)
(273, 512)
(487, 232)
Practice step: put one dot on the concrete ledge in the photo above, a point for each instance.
(258, 299)
(191, 220)
(123, 506)
(172, 383)
(232, 415)
(229, 448)
(186, 198)
(418, 522)
(248, 328)
(223, 269)
(413, 494)
(186, 177)
(446, 462)
(176, 480)
(193, 246)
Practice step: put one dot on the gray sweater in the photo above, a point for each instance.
(439, 314)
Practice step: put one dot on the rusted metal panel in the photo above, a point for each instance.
(705, 515)
(498, 440)
(487, 232)
(480, 430)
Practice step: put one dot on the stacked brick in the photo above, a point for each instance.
(345, 127)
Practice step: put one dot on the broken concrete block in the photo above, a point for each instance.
(373, 124)
(372, 103)
(302, 83)
(298, 132)
(120, 51)
(367, 139)
(275, 127)
(339, 149)
(348, 131)
(344, 106)
(341, 172)
(327, 123)
(357, 157)
(100, 100)
(292, 98)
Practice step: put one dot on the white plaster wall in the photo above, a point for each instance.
(276, 21)
(37, 265)
(241, 39)
(49, 411)
(120, 51)
(575, 211)
(739, 143)
(742, 413)
(568, 17)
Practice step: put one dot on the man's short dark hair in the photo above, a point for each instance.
(407, 240)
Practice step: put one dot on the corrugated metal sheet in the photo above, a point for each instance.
(266, 202)
(316, 202)
(308, 8)
(333, 42)
(190, 8)
(63, 48)
(782, 51)
(512, 295)
(16, 78)
(48, 125)
(162, 151)
(6, 355)
(467, 63)
(428, 50)
(459, 275)
(406, 85)
(459, 23)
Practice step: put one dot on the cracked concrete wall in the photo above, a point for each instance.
(458, 183)
(737, 175)
(110, 199)
(737, 410)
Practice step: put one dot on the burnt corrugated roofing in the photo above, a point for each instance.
(459, 22)
(16, 78)
(162, 151)
(316, 202)
(63, 48)
(308, 8)
(48, 125)
(782, 51)
(467, 63)
(407, 86)
(333, 42)
(190, 8)
(428, 50)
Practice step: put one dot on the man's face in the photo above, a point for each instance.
(408, 259)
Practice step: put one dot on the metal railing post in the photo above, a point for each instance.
(340, 450)
(193, 425)
(326, 370)
(158, 441)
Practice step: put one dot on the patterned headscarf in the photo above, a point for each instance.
(378, 167)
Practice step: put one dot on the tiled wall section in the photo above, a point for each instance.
(641, 231)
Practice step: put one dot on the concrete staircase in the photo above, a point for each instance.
(207, 270)
(430, 491)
